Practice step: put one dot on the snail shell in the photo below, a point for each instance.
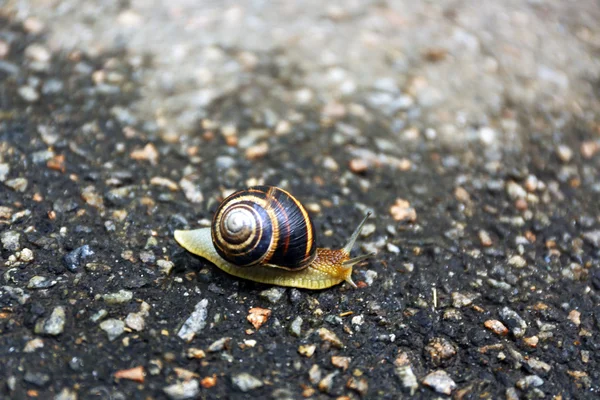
(264, 225)
(265, 235)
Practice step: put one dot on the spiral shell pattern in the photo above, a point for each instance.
(264, 225)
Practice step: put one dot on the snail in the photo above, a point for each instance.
(265, 235)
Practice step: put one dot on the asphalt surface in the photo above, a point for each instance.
(486, 281)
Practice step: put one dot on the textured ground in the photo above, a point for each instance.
(471, 130)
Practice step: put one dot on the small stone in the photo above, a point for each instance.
(326, 383)
(40, 282)
(36, 378)
(98, 316)
(341, 362)
(113, 328)
(462, 195)
(17, 184)
(147, 257)
(402, 211)
(496, 326)
(328, 336)
(29, 94)
(440, 382)
(517, 261)
(257, 151)
(66, 394)
(314, 374)
(209, 381)
(91, 197)
(33, 345)
(164, 182)
(53, 325)
(219, 345)
(531, 341)
(73, 260)
(358, 165)
(588, 148)
(564, 153)
(195, 353)
(484, 238)
(392, 248)
(258, 316)
(515, 191)
(135, 374)
(593, 237)
(359, 385)
(440, 349)
(183, 390)
(195, 322)
(165, 267)
(296, 326)
(575, 317)
(120, 297)
(246, 382)
(460, 300)
(273, 295)
(148, 153)
(307, 350)
(529, 381)
(10, 240)
(534, 363)
(191, 191)
(511, 394)
(26, 255)
(4, 171)
(135, 321)
(515, 323)
(330, 164)
(367, 230)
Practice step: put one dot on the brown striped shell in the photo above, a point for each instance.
(264, 225)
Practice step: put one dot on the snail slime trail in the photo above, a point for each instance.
(265, 235)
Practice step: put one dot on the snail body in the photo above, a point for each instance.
(265, 235)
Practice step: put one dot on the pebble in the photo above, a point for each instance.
(460, 300)
(496, 326)
(529, 381)
(191, 191)
(296, 326)
(515, 323)
(593, 238)
(148, 153)
(16, 293)
(10, 240)
(515, 191)
(246, 382)
(358, 165)
(4, 171)
(33, 345)
(531, 341)
(564, 153)
(257, 316)
(120, 297)
(484, 238)
(36, 378)
(539, 365)
(359, 385)
(440, 349)
(183, 390)
(164, 182)
(341, 362)
(462, 195)
(135, 321)
(517, 261)
(53, 325)
(367, 230)
(195, 322)
(73, 260)
(575, 317)
(257, 151)
(26, 255)
(219, 345)
(66, 394)
(314, 374)
(326, 383)
(225, 162)
(40, 282)
(165, 267)
(402, 211)
(392, 248)
(440, 381)
(272, 295)
(307, 350)
(328, 336)
(17, 184)
(29, 94)
(135, 374)
(113, 328)
(91, 197)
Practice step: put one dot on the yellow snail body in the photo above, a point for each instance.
(265, 235)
